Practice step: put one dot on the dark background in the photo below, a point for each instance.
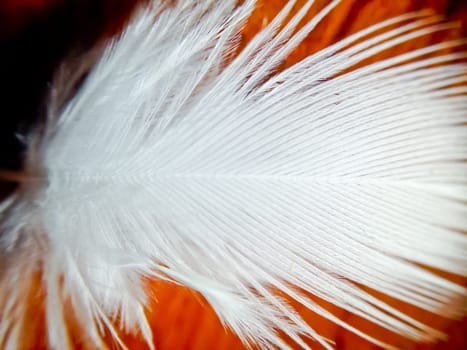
(35, 35)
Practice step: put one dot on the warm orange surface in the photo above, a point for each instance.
(180, 318)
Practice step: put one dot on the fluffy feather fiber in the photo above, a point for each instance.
(176, 161)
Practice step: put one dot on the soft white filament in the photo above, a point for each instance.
(239, 181)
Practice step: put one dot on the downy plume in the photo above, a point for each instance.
(182, 159)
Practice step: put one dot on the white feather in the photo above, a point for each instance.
(238, 181)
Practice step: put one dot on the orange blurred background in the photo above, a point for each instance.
(35, 35)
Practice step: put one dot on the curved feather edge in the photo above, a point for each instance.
(176, 161)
